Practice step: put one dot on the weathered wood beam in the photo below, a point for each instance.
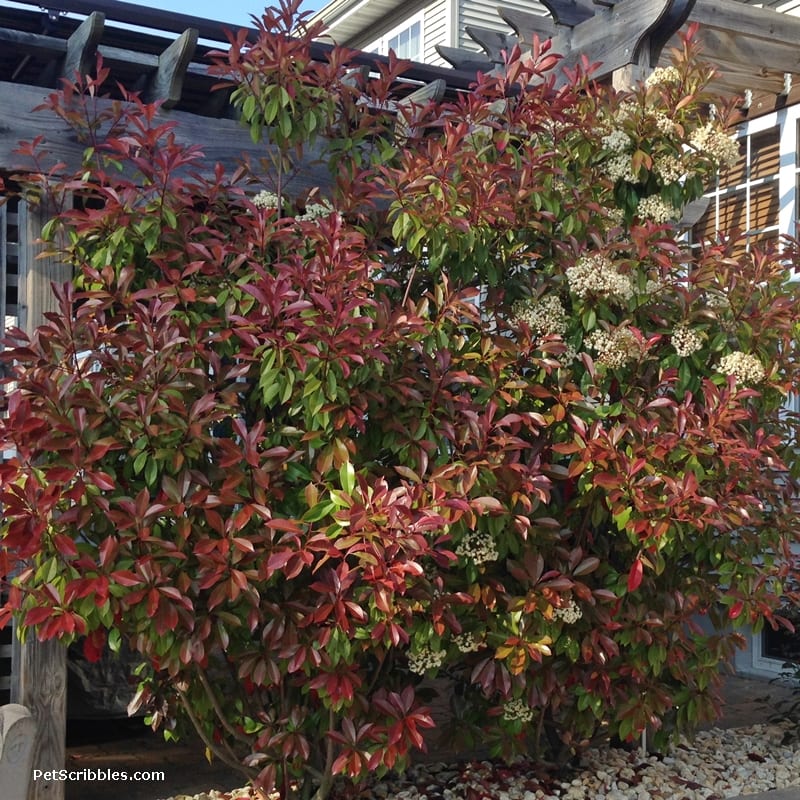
(735, 77)
(614, 37)
(570, 12)
(525, 24)
(677, 14)
(649, 50)
(465, 60)
(35, 44)
(752, 54)
(748, 21)
(82, 46)
(493, 43)
(221, 140)
(40, 668)
(167, 83)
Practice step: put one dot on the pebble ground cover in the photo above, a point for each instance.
(717, 764)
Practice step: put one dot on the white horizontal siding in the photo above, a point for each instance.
(435, 31)
(483, 14)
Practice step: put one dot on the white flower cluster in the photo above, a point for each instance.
(544, 317)
(596, 274)
(517, 710)
(468, 642)
(669, 168)
(617, 141)
(479, 546)
(655, 209)
(713, 142)
(569, 355)
(654, 286)
(420, 662)
(662, 75)
(569, 613)
(686, 340)
(265, 200)
(627, 110)
(614, 348)
(315, 211)
(744, 366)
(663, 123)
(620, 168)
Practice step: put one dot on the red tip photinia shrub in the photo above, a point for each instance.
(472, 409)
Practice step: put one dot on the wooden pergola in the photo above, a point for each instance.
(755, 48)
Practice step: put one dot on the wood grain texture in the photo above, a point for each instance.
(494, 43)
(40, 668)
(614, 37)
(570, 12)
(167, 83)
(221, 141)
(82, 46)
(745, 20)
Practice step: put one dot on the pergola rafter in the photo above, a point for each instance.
(753, 47)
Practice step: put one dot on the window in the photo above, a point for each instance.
(747, 197)
(405, 40)
(758, 195)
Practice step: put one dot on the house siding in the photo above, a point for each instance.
(483, 14)
(435, 31)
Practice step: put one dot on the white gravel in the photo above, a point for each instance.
(716, 764)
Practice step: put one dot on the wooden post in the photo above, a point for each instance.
(39, 669)
(625, 78)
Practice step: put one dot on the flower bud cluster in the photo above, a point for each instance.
(711, 141)
(424, 659)
(266, 200)
(614, 348)
(596, 274)
(617, 141)
(656, 209)
(663, 123)
(479, 546)
(517, 710)
(744, 366)
(669, 168)
(661, 75)
(544, 317)
(315, 211)
(569, 613)
(655, 286)
(468, 642)
(686, 340)
(620, 168)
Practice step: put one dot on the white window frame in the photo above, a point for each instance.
(381, 45)
(752, 661)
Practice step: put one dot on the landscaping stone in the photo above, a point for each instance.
(17, 729)
(717, 764)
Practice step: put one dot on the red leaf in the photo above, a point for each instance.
(93, 645)
(102, 480)
(736, 609)
(635, 575)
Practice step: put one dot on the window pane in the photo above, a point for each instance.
(406, 43)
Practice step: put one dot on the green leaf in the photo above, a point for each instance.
(347, 477)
